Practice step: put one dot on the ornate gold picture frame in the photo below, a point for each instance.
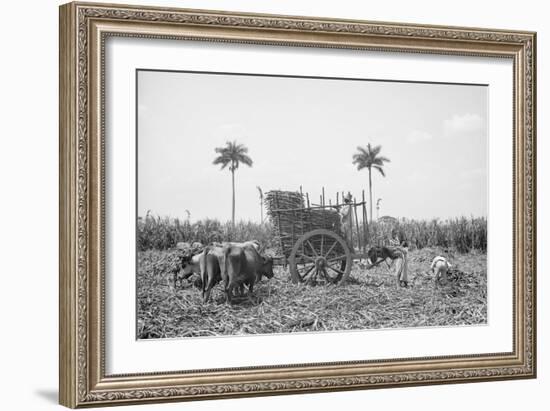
(84, 29)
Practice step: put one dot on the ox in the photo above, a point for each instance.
(190, 264)
(244, 266)
(253, 243)
(211, 263)
(190, 260)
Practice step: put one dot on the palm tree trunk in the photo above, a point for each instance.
(370, 194)
(233, 200)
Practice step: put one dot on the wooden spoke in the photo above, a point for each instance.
(339, 258)
(315, 274)
(312, 249)
(331, 248)
(335, 270)
(331, 278)
(322, 241)
(307, 257)
(307, 271)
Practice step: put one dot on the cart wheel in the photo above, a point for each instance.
(320, 256)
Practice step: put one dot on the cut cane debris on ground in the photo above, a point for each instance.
(370, 299)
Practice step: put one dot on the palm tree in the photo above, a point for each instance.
(368, 157)
(232, 155)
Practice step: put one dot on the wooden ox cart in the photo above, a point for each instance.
(312, 240)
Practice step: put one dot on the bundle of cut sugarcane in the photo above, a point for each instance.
(291, 220)
(283, 200)
(286, 212)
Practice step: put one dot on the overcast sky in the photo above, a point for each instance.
(303, 131)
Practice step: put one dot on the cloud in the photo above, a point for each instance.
(418, 136)
(465, 124)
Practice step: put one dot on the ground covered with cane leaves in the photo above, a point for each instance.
(370, 299)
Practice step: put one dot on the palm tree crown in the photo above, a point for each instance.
(232, 155)
(369, 157)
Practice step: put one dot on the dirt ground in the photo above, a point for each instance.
(370, 299)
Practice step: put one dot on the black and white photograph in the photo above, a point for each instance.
(282, 204)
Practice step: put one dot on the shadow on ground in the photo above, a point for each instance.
(50, 395)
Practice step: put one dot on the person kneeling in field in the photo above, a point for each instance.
(439, 267)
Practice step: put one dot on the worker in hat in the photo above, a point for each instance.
(346, 216)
